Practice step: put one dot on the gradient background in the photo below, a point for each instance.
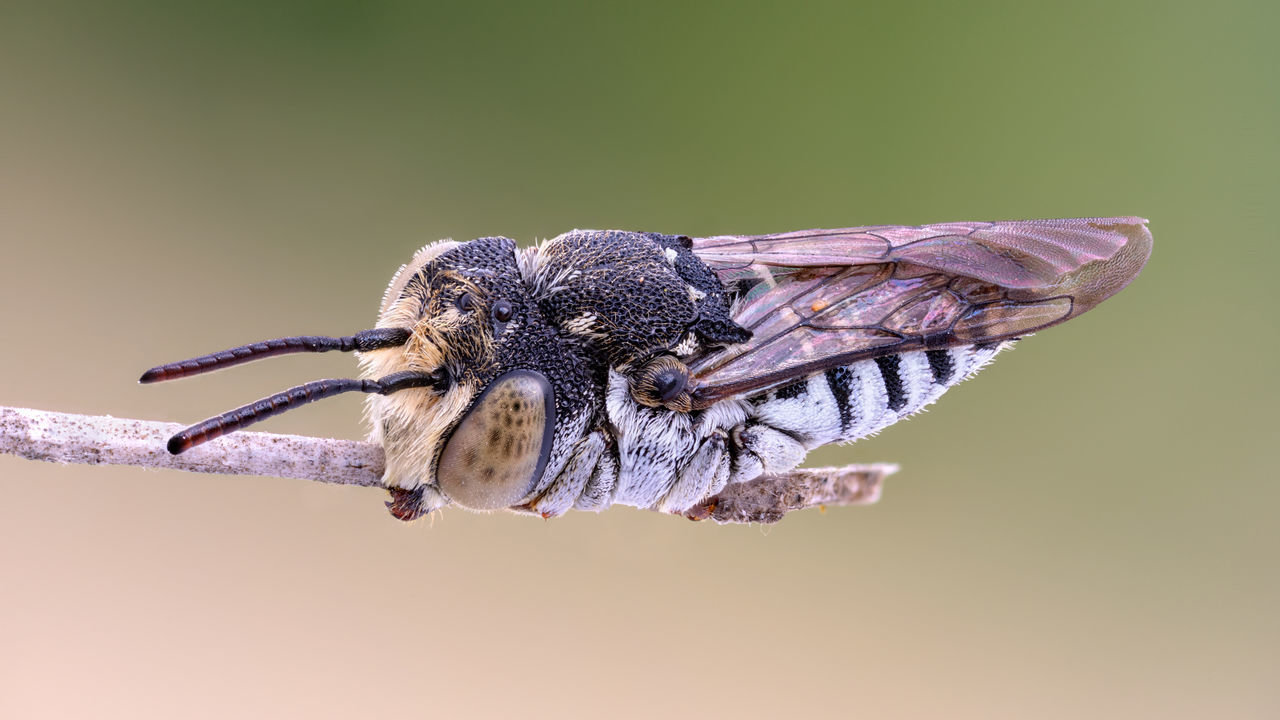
(1086, 530)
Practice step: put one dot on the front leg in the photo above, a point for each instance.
(409, 505)
(572, 481)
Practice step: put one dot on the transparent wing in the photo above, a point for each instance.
(817, 299)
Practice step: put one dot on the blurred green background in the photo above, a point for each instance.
(1088, 529)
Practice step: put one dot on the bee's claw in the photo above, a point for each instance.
(701, 511)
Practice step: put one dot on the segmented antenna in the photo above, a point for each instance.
(293, 397)
(363, 341)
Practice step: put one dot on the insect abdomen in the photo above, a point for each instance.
(659, 458)
(847, 403)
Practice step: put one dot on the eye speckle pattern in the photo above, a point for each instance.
(498, 450)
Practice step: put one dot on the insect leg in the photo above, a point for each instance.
(570, 482)
(651, 444)
(603, 484)
(409, 505)
(706, 474)
(760, 449)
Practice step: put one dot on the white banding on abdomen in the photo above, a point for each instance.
(662, 456)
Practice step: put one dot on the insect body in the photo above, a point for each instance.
(652, 370)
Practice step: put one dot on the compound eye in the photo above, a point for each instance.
(466, 303)
(498, 451)
(502, 311)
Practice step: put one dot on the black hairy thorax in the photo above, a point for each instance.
(629, 296)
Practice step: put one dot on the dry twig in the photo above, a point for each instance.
(104, 440)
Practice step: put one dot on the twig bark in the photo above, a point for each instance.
(105, 440)
(766, 499)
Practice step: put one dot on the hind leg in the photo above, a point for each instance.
(760, 449)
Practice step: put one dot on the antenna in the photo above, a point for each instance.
(363, 341)
(245, 415)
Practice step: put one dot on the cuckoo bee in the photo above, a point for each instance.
(652, 370)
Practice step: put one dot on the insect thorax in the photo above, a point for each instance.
(628, 296)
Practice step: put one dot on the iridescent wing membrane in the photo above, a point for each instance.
(817, 299)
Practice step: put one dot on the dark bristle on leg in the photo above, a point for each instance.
(293, 397)
(362, 341)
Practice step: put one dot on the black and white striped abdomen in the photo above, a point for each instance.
(661, 458)
(846, 403)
